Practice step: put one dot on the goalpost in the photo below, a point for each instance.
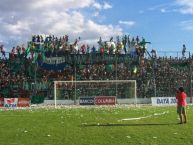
(123, 90)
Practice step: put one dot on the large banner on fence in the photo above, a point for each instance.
(87, 101)
(10, 102)
(105, 100)
(15, 102)
(163, 101)
(23, 102)
(1, 102)
(98, 100)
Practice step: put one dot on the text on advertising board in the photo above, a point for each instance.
(103, 100)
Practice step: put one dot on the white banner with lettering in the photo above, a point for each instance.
(10, 102)
(163, 101)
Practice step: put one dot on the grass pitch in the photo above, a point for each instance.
(120, 125)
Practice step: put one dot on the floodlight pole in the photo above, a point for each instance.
(55, 93)
(74, 85)
(190, 64)
(135, 87)
(35, 79)
(154, 82)
(116, 74)
(154, 75)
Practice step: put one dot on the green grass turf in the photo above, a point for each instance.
(95, 126)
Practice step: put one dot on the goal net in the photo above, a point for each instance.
(95, 92)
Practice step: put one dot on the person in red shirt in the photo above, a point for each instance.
(181, 105)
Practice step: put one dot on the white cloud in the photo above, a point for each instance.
(18, 28)
(62, 4)
(102, 30)
(107, 6)
(20, 19)
(182, 6)
(187, 25)
(127, 23)
(163, 10)
(186, 6)
(159, 7)
(99, 6)
(95, 14)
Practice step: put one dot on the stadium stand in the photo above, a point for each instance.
(29, 72)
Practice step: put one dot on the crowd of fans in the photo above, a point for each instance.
(156, 76)
(53, 45)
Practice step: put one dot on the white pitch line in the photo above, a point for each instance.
(138, 118)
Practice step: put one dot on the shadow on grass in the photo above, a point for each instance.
(110, 125)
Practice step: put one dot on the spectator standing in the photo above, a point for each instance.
(181, 105)
(183, 50)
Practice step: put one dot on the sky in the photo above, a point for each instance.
(167, 24)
